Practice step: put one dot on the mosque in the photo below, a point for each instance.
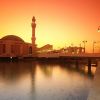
(14, 46)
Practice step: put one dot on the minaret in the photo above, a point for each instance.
(33, 24)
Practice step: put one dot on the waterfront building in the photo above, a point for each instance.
(14, 46)
(45, 48)
(74, 50)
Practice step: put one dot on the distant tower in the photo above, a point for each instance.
(33, 25)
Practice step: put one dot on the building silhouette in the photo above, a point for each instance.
(33, 25)
(14, 46)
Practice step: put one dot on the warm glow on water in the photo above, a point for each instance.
(43, 81)
(93, 69)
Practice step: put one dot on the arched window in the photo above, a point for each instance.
(30, 50)
(4, 48)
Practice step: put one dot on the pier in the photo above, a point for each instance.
(88, 58)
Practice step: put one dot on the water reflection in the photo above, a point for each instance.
(31, 80)
(17, 80)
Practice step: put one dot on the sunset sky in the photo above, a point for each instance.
(59, 22)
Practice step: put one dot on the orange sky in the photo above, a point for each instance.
(59, 22)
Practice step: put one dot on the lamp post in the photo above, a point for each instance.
(99, 29)
(84, 42)
(93, 45)
(97, 41)
(72, 44)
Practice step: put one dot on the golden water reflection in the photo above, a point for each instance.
(33, 80)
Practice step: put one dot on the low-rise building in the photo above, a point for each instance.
(14, 46)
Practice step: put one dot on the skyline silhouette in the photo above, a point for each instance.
(59, 22)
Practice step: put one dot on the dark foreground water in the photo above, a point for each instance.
(43, 81)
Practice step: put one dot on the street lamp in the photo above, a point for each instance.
(84, 42)
(93, 45)
(97, 41)
(72, 44)
(99, 29)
